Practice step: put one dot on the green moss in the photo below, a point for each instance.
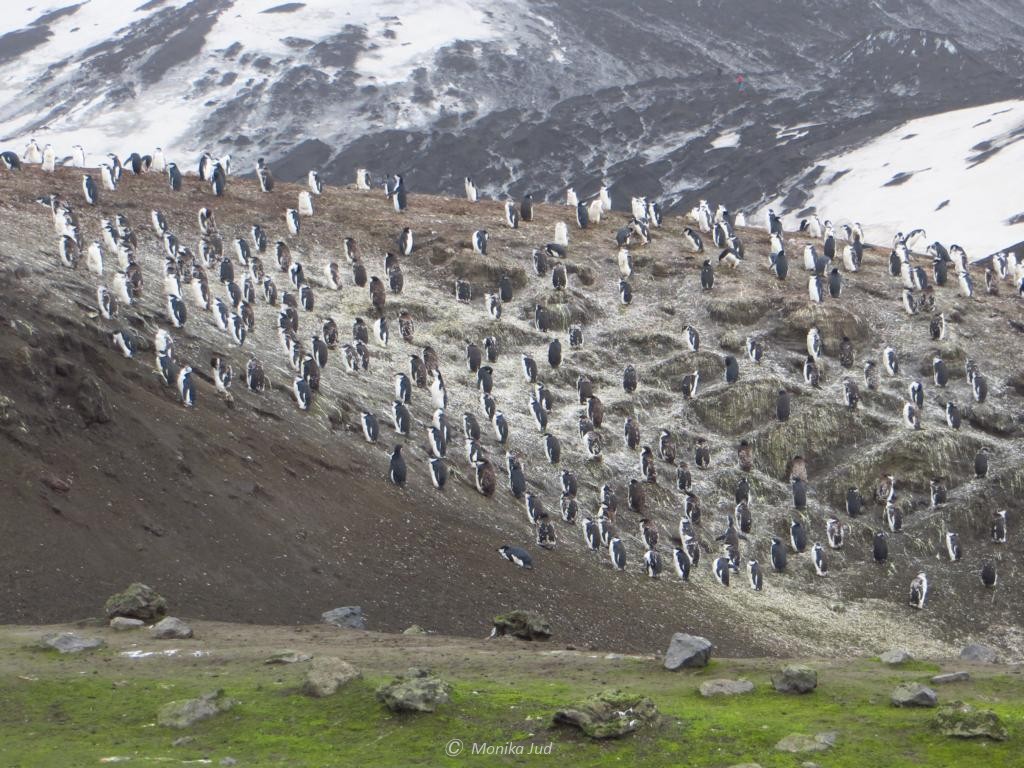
(65, 718)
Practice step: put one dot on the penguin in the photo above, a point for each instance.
(647, 468)
(176, 313)
(501, 429)
(918, 591)
(981, 463)
(939, 373)
(511, 215)
(778, 555)
(988, 575)
(891, 362)
(720, 570)
(582, 215)
(666, 447)
(815, 289)
(681, 563)
(106, 302)
(854, 502)
(952, 415)
(486, 483)
(755, 350)
(834, 533)
(302, 392)
(652, 563)
(779, 264)
(953, 546)
(371, 429)
(880, 547)
(362, 179)
(938, 492)
(617, 554)
(732, 370)
(812, 375)
(10, 161)
(516, 556)
(782, 405)
(493, 304)
(316, 185)
(707, 275)
(799, 493)
(754, 574)
(702, 454)
(797, 536)
(625, 293)
(814, 345)
(529, 369)
(635, 496)
(438, 472)
(745, 455)
(692, 507)
(893, 517)
(534, 508)
(89, 190)
(851, 394)
(818, 558)
(255, 379)
(173, 177)
(186, 387)
(291, 219)
(979, 388)
(999, 527)
(400, 418)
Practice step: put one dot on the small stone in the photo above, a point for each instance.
(415, 629)
(228, 761)
(69, 642)
(186, 712)
(711, 688)
(895, 657)
(687, 651)
(183, 741)
(965, 722)
(951, 677)
(795, 678)
(801, 742)
(327, 674)
(913, 695)
(123, 623)
(746, 765)
(287, 657)
(171, 628)
(982, 654)
(347, 617)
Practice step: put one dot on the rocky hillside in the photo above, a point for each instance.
(248, 508)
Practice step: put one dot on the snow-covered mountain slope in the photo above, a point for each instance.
(954, 174)
(524, 95)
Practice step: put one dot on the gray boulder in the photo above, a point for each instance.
(951, 677)
(137, 602)
(687, 651)
(347, 617)
(414, 629)
(69, 642)
(914, 695)
(711, 688)
(801, 742)
(187, 712)
(287, 657)
(795, 678)
(416, 691)
(965, 722)
(895, 657)
(981, 654)
(526, 625)
(609, 715)
(327, 674)
(124, 624)
(171, 628)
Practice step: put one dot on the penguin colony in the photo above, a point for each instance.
(273, 280)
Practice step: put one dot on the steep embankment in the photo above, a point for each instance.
(255, 511)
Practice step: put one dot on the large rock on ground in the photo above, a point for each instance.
(964, 721)
(137, 602)
(526, 625)
(895, 657)
(186, 712)
(687, 651)
(609, 715)
(69, 642)
(982, 654)
(287, 657)
(347, 617)
(416, 691)
(171, 628)
(795, 678)
(914, 695)
(711, 688)
(801, 742)
(327, 674)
